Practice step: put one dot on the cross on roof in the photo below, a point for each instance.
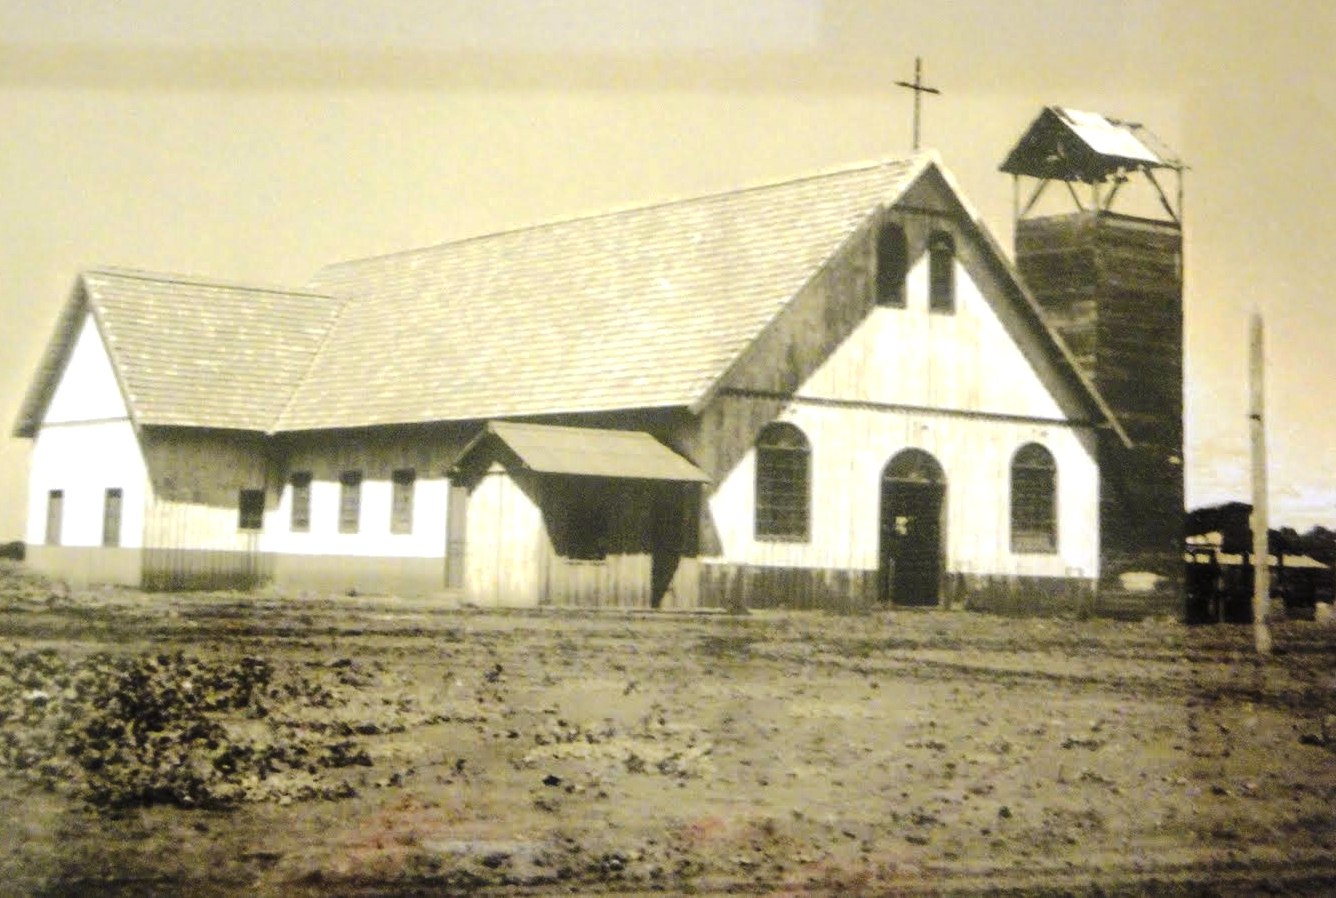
(919, 89)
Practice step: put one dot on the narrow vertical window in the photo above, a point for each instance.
(456, 514)
(892, 262)
(350, 501)
(250, 509)
(301, 501)
(111, 518)
(1034, 500)
(941, 272)
(401, 504)
(783, 460)
(55, 512)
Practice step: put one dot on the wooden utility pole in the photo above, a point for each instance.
(1261, 549)
(919, 89)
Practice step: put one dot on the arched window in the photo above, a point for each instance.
(783, 462)
(941, 272)
(892, 262)
(1034, 500)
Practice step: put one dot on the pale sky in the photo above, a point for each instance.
(257, 142)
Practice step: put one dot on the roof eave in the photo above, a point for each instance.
(921, 162)
(82, 301)
(1067, 362)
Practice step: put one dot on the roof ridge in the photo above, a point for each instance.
(909, 159)
(199, 281)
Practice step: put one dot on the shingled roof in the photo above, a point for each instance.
(646, 308)
(190, 352)
(636, 309)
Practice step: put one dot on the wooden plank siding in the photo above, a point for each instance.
(863, 382)
(506, 540)
(192, 533)
(1113, 285)
(850, 449)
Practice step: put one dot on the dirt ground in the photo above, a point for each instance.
(416, 750)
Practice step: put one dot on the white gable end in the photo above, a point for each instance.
(962, 361)
(88, 390)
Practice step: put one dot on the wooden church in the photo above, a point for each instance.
(835, 391)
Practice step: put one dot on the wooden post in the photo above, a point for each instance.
(1261, 565)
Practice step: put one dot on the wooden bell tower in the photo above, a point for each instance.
(1099, 243)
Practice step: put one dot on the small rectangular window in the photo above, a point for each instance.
(401, 510)
(55, 511)
(250, 507)
(301, 501)
(111, 518)
(350, 501)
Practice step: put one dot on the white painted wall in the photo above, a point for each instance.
(850, 450)
(966, 362)
(373, 539)
(85, 445)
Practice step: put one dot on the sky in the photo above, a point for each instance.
(258, 142)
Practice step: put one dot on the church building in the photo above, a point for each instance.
(836, 391)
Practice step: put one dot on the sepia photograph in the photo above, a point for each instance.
(603, 447)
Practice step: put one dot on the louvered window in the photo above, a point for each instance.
(111, 518)
(401, 505)
(1034, 500)
(55, 513)
(892, 260)
(941, 272)
(350, 501)
(783, 462)
(301, 502)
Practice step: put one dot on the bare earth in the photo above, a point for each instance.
(454, 751)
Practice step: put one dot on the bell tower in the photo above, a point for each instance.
(1099, 243)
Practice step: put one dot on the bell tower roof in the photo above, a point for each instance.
(1070, 145)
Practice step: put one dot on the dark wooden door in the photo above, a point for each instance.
(913, 491)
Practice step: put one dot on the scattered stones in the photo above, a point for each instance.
(167, 729)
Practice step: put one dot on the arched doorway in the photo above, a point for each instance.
(913, 498)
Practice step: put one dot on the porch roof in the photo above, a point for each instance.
(588, 451)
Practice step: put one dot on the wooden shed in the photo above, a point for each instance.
(577, 516)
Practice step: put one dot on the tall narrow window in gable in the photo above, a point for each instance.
(783, 463)
(892, 262)
(301, 501)
(401, 505)
(350, 501)
(111, 518)
(1034, 500)
(250, 510)
(941, 272)
(55, 512)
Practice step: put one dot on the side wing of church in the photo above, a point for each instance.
(829, 392)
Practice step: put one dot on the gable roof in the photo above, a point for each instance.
(587, 451)
(637, 309)
(189, 352)
(1072, 145)
(646, 308)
